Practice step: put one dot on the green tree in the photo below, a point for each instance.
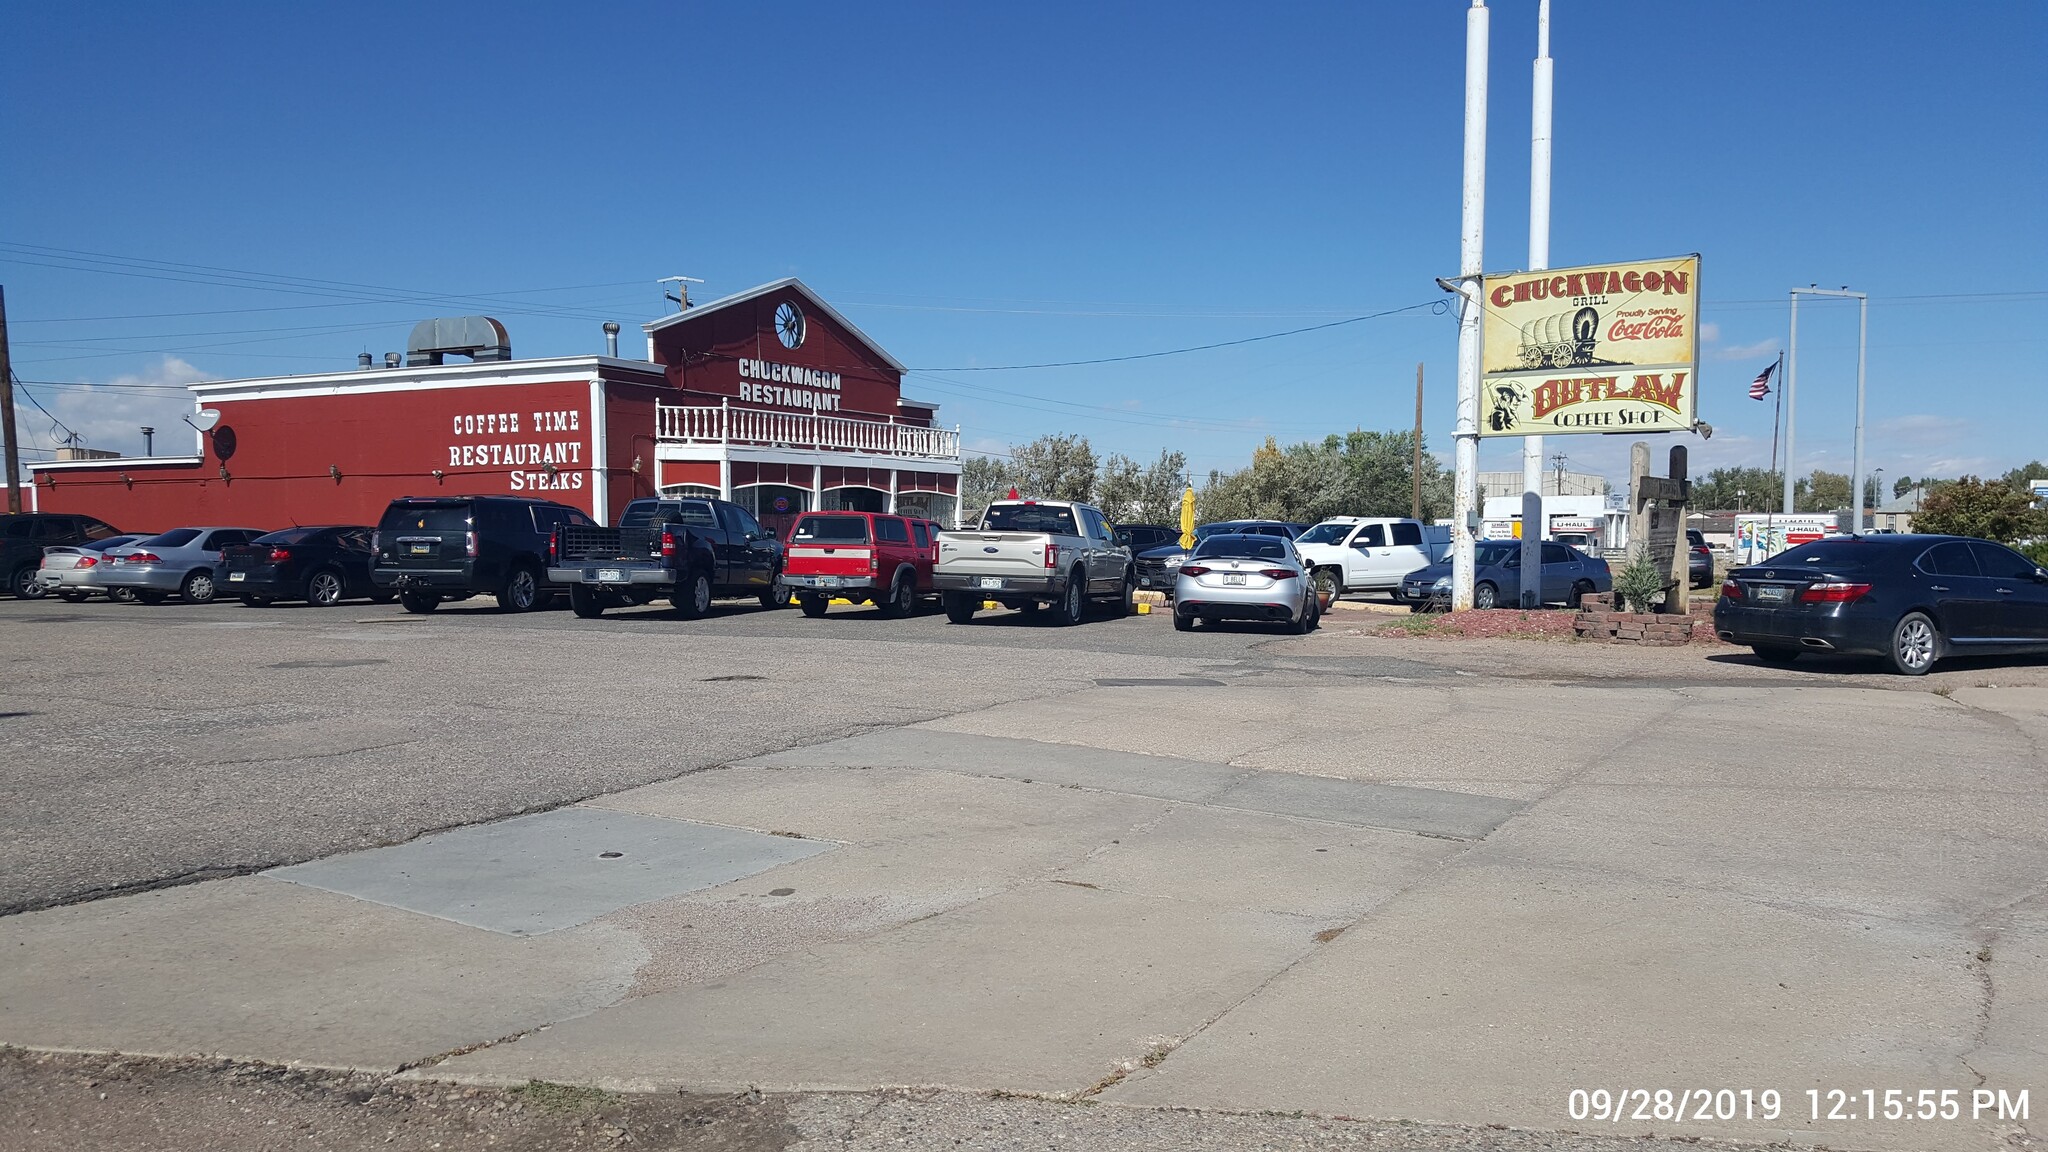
(1901, 486)
(1159, 489)
(1359, 474)
(1740, 490)
(2017, 478)
(982, 479)
(1055, 467)
(1986, 510)
(1822, 492)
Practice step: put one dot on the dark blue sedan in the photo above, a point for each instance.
(1568, 575)
(1911, 600)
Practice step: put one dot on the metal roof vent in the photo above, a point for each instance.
(478, 337)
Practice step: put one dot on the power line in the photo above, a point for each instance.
(1436, 307)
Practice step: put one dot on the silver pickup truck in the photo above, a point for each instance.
(1031, 553)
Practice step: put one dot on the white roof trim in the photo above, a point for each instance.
(562, 369)
(816, 300)
(121, 462)
(907, 402)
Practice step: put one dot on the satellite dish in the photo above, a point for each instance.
(204, 419)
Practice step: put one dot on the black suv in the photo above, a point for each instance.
(24, 535)
(434, 548)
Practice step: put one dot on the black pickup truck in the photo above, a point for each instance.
(691, 550)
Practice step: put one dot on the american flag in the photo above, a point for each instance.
(1761, 386)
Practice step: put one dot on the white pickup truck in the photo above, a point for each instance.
(1370, 553)
(1030, 553)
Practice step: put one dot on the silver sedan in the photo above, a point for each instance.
(72, 571)
(1239, 577)
(182, 560)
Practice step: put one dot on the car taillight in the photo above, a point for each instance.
(377, 541)
(1730, 590)
(1193, 570)
(469, 545)
(1276, 573)
(1833, 593)
(874, 561)
(86, 561)
(144, 558)
(554, 549)
(280, 555)
(1052, 555)
(668, 543)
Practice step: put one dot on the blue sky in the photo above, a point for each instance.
(980, 186)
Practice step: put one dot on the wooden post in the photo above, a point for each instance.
(1415, 469)
(13, 447)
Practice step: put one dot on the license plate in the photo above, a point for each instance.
(419, 549)
(828, 581)
(1774, 593)
(611, 575)
(234, 577)
(1233, 579)
(1144, 581)
(991, 581)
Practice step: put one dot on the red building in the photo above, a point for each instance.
(769, 398)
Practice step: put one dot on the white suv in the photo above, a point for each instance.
(1370, 553)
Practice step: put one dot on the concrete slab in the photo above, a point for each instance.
(550, 870)
(1047, 989)
(263, 970)
(1461, 815)
(1489, 994)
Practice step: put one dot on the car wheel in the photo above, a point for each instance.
(323, 588)
(1578, 594)
(419, 602)
(1127, 601)
(257, 601)
(1074, 604)
(197, 588)
(585, 601)
(961, 606)
(23, 583)
(121, 595)
(1915, 646)
(813, 606)
(776, 596)
(1776, 655)
(693, 600)
(151, 595)
(72, 597)
(1485, 596)
(902, 599)
(1182, 622)
(521, 590)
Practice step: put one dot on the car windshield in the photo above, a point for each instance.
(832, 530)
(175, 538)
(1030, 518)
(1236, 546)
(642, 513)
(1495, 551)
(427, 517)
(287, 536)
(1326, 533)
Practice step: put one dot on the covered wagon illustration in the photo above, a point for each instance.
(1562, 340)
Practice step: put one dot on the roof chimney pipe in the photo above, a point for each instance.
(391, 360)
(611, 339)
(363, 361)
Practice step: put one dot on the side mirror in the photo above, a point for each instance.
(2041, 575)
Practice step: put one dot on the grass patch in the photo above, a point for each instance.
(1419, 624)
(548, 1096)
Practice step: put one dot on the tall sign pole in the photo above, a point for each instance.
(1415, 467)
(1471, 261)
(1533, 522)
(1791, 378)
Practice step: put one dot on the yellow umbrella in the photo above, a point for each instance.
(1187, 517)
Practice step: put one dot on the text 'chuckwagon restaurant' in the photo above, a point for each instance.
(769, 398)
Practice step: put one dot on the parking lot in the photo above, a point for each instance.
(1229, 870)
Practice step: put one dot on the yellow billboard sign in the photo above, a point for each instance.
(1604, 348)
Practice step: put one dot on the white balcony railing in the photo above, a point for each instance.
(756, 427)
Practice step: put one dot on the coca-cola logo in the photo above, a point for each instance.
(1654, 328)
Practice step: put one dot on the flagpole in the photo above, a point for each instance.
(1777, 412)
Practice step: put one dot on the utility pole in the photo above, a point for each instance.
(7, 413)
(1791, 377)
(1471, 266)
(1539, 258)
(1415, 469)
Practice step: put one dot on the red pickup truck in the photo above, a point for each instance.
(865, 557)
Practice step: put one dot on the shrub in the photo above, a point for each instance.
(1639, 586)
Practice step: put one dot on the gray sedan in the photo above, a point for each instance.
(1244, 577)
(1568, 575)
(73, 571)
(182, 560)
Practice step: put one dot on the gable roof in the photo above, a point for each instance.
(817, 301)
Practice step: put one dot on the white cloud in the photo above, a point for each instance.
(1710, 332)
(1745, 351)
(111, 414)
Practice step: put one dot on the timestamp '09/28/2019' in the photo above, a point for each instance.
(1705, 1105)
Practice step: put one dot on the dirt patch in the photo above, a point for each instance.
(126, 1104)
(1502, 623)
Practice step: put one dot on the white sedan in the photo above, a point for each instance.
(1239, 577)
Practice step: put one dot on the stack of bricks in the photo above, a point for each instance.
(1598, 619)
